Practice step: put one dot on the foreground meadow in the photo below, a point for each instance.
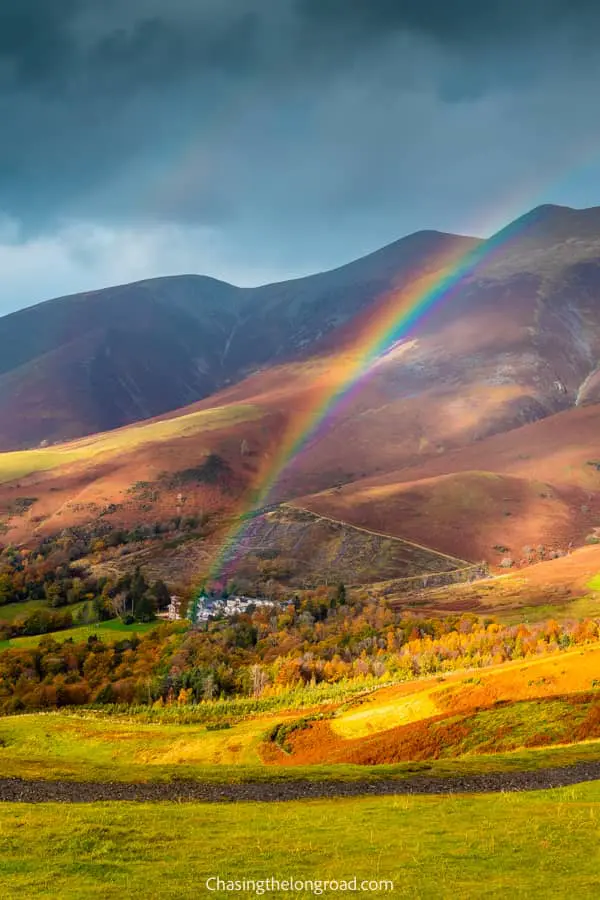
(536, 845)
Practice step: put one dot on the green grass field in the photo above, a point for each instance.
(112, 630)
(539, 845)
(19, 463)
(11, 611)
(530, 845)
(581, 608)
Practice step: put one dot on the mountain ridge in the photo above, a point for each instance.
(200, 334)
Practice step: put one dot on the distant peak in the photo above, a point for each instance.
(549, 208)
(432, 234)
(550, 220)
(553, 212)
(547, 213)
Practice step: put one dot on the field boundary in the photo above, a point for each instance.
(473, 572)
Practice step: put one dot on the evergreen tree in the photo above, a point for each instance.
(137, 588)
(161, 594)
(145, 608)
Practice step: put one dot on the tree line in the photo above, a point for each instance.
(321, 637)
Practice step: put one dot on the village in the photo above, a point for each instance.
(211, 605)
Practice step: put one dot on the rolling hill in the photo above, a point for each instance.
(534, 485)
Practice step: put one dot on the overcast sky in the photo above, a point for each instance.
(255, 140)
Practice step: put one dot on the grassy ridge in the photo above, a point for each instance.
(19, 463)
(496, 846)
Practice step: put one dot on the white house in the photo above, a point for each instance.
(174, 608)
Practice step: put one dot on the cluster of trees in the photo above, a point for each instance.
(136, 600)
(27, 577)
(66, 594)
(321, 637)
(64, 674)
(79, 541)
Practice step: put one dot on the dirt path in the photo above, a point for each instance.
(15, 790)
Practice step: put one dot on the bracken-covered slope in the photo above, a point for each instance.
(90, 362)
(537, 485)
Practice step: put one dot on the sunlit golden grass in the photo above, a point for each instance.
(379, 715)
(17, 464)
(525, 679)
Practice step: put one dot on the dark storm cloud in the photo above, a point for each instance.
(460, 21)
(86, 87)
(302, 131)
(55, 43)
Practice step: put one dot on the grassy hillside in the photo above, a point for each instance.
(113, 628)
(497, 498)
(531, 678)
(19, 464)
(471, 514)
(11, 611)
(564, 588)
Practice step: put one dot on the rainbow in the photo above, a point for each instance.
(391, 320)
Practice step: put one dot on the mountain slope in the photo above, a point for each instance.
(90, 362)
(527, 314)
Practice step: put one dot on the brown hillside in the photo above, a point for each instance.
(96, 361)
(468, 514)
